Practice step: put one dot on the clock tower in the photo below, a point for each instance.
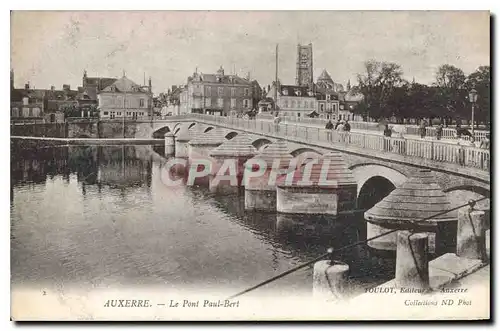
(304, 65)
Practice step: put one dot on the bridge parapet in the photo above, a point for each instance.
(410, 149)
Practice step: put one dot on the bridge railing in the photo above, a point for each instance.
(435, 150)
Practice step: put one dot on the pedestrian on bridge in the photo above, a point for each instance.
(439, 131)
(422, 129)
(485, 142)
(329, 128)
(337, 124)
(387, 138)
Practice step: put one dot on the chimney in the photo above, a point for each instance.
(27, 86)
(52, 88)
(66, 87)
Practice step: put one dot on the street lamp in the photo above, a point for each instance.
(472, 99)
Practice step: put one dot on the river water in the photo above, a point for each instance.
(101, 216)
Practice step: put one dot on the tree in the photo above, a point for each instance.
(451, 92)
(480, 80)
(377, 84)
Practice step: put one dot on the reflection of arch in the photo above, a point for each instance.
(231, 135)
(302, 150)
(160, 133)
(208, 129)
(364, 171)
(191, 125)
(261, 143)
(373, 190)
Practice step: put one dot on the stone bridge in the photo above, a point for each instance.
(377, 172)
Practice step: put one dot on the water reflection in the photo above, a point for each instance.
(103, 214)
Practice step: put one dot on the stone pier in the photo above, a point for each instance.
(323, 186)
(181, 143)
(201, 145)
(260, 191)
(418, 198)
(169, 143)
(229, 167)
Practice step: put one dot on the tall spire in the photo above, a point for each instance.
(123, 72)
(348, 85)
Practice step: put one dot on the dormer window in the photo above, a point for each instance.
(299, 93)
(328, 97)
(285, 92)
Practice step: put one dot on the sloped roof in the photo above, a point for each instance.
(337, 174)
(417, 198)
(124, 84)
(241, 145)
(225, 79)
(325, 76)
(292, 89)
(100, 82)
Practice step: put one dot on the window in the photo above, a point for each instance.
(233, 103)
(208, 102)
(328, 97)
(334, 107)
(209, 91)
(334, 116)
(105, 113)
(112, 114)
(119, 113)
(233, 91)
(221, 91)
(341, 106)
(285, 103)
(220, 102)
(293, 103)
(298, 104)
(246, 92)
(141, 103)
(298, 114)
(322, 107)
(246, 103)
(285, 92)
(299, 93)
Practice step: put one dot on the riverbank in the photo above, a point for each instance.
(88, 141)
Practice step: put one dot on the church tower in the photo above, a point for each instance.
(304, 65)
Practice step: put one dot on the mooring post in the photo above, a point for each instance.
(471, 233)
(412, 265)
(330, 279)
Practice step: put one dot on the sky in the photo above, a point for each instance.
(55, 47)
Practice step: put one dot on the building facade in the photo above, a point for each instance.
(124, 98)
(294, 101)
(218, 93)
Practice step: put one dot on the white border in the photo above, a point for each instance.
(189, 5)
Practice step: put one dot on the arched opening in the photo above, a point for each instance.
(160, 133)
(374, 190)
(208, 129)
(261, 143)
(299, 151)
(231, 135)
(191, 125)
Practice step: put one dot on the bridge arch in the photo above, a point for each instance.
(177, 125)
(460, 195)
(160, 133)
(177, 130)
(302, 150)
(191, 125)
(210, 128)
(375, 182)
(261, 143)
(231, 135)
